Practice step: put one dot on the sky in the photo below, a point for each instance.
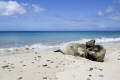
(59, 15)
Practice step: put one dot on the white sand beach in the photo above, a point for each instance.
(57, 66)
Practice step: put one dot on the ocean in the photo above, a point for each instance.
(53, 39)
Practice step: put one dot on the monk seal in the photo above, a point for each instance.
(75, 49)
(89, 50)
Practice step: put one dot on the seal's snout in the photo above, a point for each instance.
(90, 43)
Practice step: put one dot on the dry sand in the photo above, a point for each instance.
(56, 66)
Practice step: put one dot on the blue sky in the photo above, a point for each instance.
(59, 15)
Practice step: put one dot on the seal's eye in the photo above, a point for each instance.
(90, 49)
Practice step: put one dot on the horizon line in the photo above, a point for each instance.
(54, 30)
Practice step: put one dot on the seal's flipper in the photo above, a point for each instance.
(90, 43)
(58, 50)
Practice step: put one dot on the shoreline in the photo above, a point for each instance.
(30, 49)
(57, 66)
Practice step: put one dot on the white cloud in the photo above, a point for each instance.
(102, 26)
(109, 9)
(25, 4)
(100, 13)
(13, 16)
(114, 18)
(37, 8)
(10, 8)
(116, 1)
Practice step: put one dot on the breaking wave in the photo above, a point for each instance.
(42, 47)
(102, 40)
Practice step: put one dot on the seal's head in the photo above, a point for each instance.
(96, 53)
(90, 43)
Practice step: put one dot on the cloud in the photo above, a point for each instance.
(109, 9)
(61, 16)
(37, 8)
(100, 13)
(117, 18)
(116, 1)
(10, 8)
(102, 26)
(80, 20)
(25, 4)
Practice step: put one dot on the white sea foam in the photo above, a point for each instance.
(102, 40)
(42, 47)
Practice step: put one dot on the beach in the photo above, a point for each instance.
(49, 65)
(59, 39)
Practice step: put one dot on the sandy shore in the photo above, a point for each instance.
(56, 66)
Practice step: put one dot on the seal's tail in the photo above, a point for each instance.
(58, 50)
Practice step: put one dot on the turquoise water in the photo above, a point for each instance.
(42, 38)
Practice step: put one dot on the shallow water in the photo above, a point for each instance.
(48, 40)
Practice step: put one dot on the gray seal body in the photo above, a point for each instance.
(88, 50)
(74, 49)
